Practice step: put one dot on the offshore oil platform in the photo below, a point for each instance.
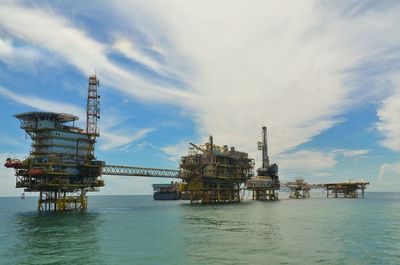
(215, 174)
(299, 189)
(350, 189)
(62, 166)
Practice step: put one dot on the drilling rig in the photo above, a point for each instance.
(266, 184)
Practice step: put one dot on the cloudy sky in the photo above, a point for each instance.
(324, 76)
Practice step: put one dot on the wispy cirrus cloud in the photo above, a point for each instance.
(121, 139)
(389, 177)
(21, 57)
(111, 136)
(6, 48)
(43, 104)
(294, 66)
(389, 116)
(352, 153)
(174, 152)
(130, 50)
(80, 50)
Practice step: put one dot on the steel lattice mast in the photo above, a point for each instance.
(266, 184)
(263, 146)
(92, 112)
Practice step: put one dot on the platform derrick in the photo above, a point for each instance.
(214, 174)
(266, 184)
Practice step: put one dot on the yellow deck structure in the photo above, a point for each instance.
(215, 174)
(350, 189)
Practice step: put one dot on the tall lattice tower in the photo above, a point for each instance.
(263, 147)
(266, 184)
(92, 112)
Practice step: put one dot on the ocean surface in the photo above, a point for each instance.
(138, 230)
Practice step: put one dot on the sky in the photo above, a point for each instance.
(323, 76)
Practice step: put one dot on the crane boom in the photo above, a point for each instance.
(197, 147)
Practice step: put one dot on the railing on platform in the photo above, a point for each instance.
(139, 171)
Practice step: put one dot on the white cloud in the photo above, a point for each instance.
(7, 178)
(43, 104)
(285, 64)
(129, 49)
(277, 63)
(111, 137)
(176, 151)
(23, 57)
(77, 48)
(138, 146)
(389, 177)
(313, 163)
(6, 48)
(119, 139)
(352, 153)
(306, 163)
(389, 117)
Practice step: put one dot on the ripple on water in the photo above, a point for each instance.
(136, 230)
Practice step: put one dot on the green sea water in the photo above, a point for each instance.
(138, 230)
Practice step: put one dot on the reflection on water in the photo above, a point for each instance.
(55, 238)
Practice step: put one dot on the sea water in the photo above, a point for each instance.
(138, 230)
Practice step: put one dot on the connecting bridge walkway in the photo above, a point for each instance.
(139, 171)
